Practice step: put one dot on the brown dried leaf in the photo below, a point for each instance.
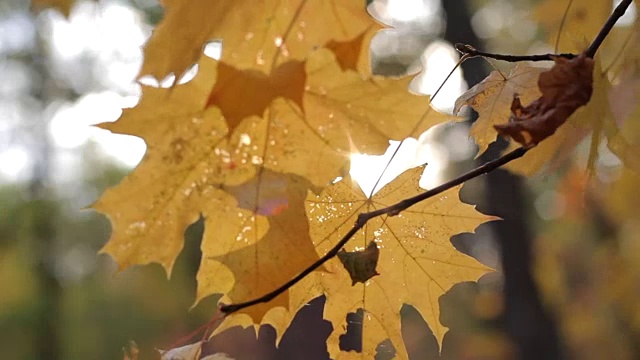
(565, 87)
(586, 121)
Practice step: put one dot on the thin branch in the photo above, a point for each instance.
(395, 209)
(591, 51)
(613, 19)
(473, 52)
(365, 217)
(230, 309)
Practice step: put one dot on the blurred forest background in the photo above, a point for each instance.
(556, 294)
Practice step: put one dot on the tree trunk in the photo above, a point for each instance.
(525, 320)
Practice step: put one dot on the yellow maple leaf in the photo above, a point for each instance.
(256, 35)
(150, 209)
(188, 170)
(362, 114)
(549, 152)
(355, 54)
(417, 263)
(241, 147)
(307, 118)
(193, 162)
(282, 141)
(243, 93)
(270, 244)
(492, 99)
(582, 21)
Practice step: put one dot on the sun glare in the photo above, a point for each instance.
(438, 60)
(367, 169)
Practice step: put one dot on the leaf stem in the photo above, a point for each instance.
(363, 218)
(606, 28)
(473, 52)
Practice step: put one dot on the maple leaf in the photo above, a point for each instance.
(417, 262)
(150, 209)
(243, 93)
(247, 254)
(256, 35)
(550, 153)
(188, 170)
(355, 54)
(314, 114)
(492, 98)
(195, 164)
(624, 142)
(362, 115)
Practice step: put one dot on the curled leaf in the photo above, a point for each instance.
(361, 264)
(567, 86)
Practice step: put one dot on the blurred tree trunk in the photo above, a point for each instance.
(47, 329)
(525, 320)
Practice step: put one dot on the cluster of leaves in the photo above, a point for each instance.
(255, 142)
(252, 144)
